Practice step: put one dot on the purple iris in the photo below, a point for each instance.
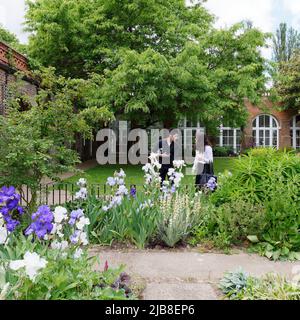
(211, 184)
(10, 200)
(42, 222)
(75, 237)
(75, 214)
(132, 191)
(11, 224)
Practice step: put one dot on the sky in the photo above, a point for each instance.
(265, 14)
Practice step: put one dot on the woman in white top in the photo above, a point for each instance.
(203, 165)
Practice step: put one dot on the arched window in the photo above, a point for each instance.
(295, 132)
(265, 131)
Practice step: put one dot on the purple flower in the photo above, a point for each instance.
(211, 184)
(75, 237)
(10, 199)
(11, 224)
(42, 222)
(133, 191)
(75, 214)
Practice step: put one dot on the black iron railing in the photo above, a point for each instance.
(60, 193)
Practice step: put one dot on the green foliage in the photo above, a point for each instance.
(130, 48)
(223, 151)
(287, 83)
(63, 278)
(125, 223)
(78, 37)
(285, 42)
(11, 40)
(270, 287)
(260, 201)
(229, 224)
(233, 283)
(37, 133)
(258, 174)
(178, 214)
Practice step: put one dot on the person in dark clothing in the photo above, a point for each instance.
(166, 150)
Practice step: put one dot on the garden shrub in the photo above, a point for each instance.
(223, 151)
(231, 223)
(178, 214)
(269, 179)
(257, 174)
(239, 286)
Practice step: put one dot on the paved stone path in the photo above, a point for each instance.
(187, 274)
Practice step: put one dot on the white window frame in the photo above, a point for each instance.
(192, 128)
(234, 136)
(271, 128)
(294, 130)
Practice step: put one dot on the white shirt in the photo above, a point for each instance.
(203, 158)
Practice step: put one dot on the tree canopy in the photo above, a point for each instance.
(38, 133)
(285, 42)
(287, 84)
(150, 59)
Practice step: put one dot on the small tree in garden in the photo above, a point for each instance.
(287, 85)
(37, 134)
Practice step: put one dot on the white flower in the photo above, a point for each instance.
(4, 291)
(32, 263)
(83, 221)
(60, 214)
(120, 181)
(105, 208)
(83, 238)
(122, 190)
(59, 245)
(171, 171)
(81, 182)
(81, 194)
(146, 168)
(55, 245)
(154, 157)
(3, 235)
(148, 178)
(121, 174)
(111, 181)
(116, 201)
(78, 253)
(178, 164)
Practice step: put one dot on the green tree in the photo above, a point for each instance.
(285, 42)
(210, 78)
(11, 40)
(37, 133)
(151, 59)
(79, 36)
(287, 83)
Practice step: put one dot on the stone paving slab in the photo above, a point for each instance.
(187, 274)
(179, 291)
(202, 266)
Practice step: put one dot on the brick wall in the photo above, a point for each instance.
(283, 118)
(11, 61)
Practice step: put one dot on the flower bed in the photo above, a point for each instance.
(48, 259)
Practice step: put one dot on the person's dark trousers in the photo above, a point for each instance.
(163, 172)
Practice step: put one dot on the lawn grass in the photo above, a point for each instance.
(134, 174)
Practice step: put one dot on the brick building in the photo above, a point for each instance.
(10, 62)
(266, 127)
